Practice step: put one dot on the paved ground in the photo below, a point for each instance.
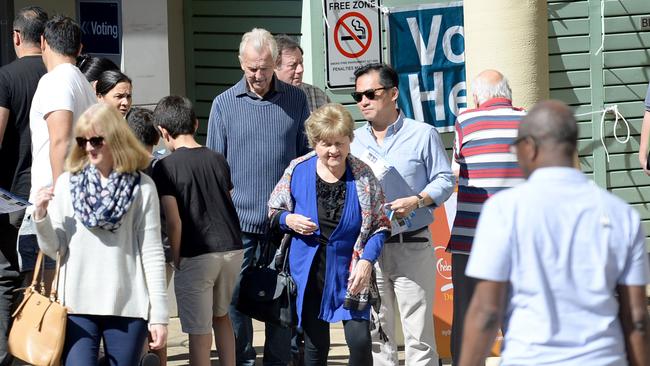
(177, 345)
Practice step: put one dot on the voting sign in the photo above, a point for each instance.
(427, 49)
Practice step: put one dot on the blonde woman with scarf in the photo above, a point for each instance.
(103, 219)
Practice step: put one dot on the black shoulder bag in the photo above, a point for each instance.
(266, 290)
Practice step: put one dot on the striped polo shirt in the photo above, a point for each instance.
(486, 165)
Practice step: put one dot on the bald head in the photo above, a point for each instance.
(490, 84)
(553, 124)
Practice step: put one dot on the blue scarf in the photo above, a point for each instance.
(102, 207)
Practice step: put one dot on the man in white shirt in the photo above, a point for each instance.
(551, 256)
(62, 95)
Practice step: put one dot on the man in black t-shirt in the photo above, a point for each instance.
(18, 82)
(194, 186)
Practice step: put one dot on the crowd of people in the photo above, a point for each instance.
(557, 263)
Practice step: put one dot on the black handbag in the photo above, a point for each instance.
(266, 290)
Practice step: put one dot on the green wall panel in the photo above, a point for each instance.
(213, 30)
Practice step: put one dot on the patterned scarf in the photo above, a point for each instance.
(98, 206)
(373, 219)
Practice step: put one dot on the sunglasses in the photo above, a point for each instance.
(520, 139)
(95, 141)
(370, 94)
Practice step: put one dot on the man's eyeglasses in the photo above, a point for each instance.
(370, 94)
(95, 142)
(520, 139)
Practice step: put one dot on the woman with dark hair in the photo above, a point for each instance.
(92, 67)
(114, 88)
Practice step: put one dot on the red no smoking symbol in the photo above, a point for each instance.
(355, 31)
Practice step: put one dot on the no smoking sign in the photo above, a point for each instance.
(353, 39)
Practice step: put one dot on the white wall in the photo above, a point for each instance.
(145, 50)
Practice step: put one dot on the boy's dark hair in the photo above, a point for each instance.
(387, 76)
(30, 23)
(141, 122)
(93, 67)
(63, 35)
(176, 115)
(108, 80)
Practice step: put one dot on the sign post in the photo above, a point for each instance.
(353, 39)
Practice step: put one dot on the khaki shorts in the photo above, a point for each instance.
(204, 287)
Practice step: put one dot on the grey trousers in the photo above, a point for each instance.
(406, 276)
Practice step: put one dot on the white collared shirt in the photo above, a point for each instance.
(563, 244)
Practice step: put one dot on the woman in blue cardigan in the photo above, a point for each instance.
(332, 204)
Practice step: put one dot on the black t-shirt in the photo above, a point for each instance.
(18, 82)
(199, 179)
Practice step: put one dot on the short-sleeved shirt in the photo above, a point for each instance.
(64, 88)
(18, 82)
(200, 181)
(563, 244)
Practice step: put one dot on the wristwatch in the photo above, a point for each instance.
(421, 201)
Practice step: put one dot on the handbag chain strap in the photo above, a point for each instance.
(55, 280)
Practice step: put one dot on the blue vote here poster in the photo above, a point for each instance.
(427, 49)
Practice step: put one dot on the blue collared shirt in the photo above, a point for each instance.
(563, 244)
(416, 151)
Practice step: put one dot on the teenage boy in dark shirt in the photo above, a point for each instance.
(194, 186)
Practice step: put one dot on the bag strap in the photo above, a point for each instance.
(37, 269)
(285, 247)
(55, 280)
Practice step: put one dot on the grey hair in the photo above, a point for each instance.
(258, 38)
(484, 90)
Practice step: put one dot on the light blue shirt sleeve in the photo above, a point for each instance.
(440, 177)
(636, 271)
(491, 255)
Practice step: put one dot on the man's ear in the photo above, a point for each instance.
(163, 133)
(43, 43)
(395, 94)
(16, 39)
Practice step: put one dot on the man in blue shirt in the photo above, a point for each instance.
(258, 125)
(406, 266)
(560, 249)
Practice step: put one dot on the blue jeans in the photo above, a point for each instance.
(277, 346)
(123, 340)
(28, 249)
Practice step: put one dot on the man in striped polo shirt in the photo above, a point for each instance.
(258, 125)
(485, 166)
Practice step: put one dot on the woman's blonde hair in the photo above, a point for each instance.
(128, 153)
(327, 122)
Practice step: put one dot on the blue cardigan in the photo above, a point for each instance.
(339, 248)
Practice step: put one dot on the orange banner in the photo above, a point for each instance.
(444, 295)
